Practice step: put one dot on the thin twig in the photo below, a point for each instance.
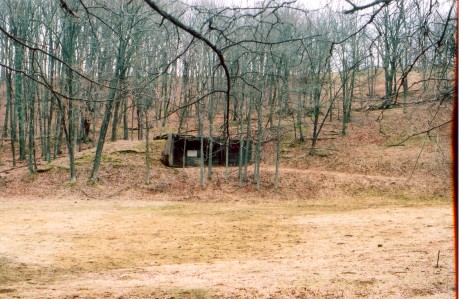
(416, 161)
(420, 133)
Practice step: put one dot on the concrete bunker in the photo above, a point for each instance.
(185, 151)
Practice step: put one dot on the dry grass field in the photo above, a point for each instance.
(144, 249)
(362, 219)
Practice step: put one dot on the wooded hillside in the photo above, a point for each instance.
(75, 74)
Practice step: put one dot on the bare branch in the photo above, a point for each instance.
(420, 133)
(211, 45)
(67, 9)
(361, 7)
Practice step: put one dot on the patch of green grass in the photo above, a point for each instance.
(91, 182)
(422, 199)
(30, 177)
(322, 152)
(117, 165)
(183, 233)
(366, 282)
(404, 140)
(128, 153)
(181, 293)
(107, 159)
(401, 197)
(166, 207)
(84, 160)
(59, 168)
(303, 208)
(295, 144)
(69, 184)
(154, 146)
(13, 272)
(110, 159)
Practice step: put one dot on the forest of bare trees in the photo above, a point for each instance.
(78, 73)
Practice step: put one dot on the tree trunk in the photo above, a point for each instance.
(259, 143)
(117, 101)
(12, 117)
(211, 120)
(19, 102)
(68, 48)
(278, 146)
(184, 109)
(125, 118)
(248, 139)
(31, 163)
(118, 73)
(200, 125)
(147, 180)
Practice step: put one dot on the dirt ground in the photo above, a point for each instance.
(361, 218)
(145, 249)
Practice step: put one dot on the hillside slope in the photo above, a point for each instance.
(364, 162)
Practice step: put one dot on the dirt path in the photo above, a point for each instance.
(141, 249)
(337, 174)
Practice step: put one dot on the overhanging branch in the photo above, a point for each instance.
(211, 45)
(361, 7)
